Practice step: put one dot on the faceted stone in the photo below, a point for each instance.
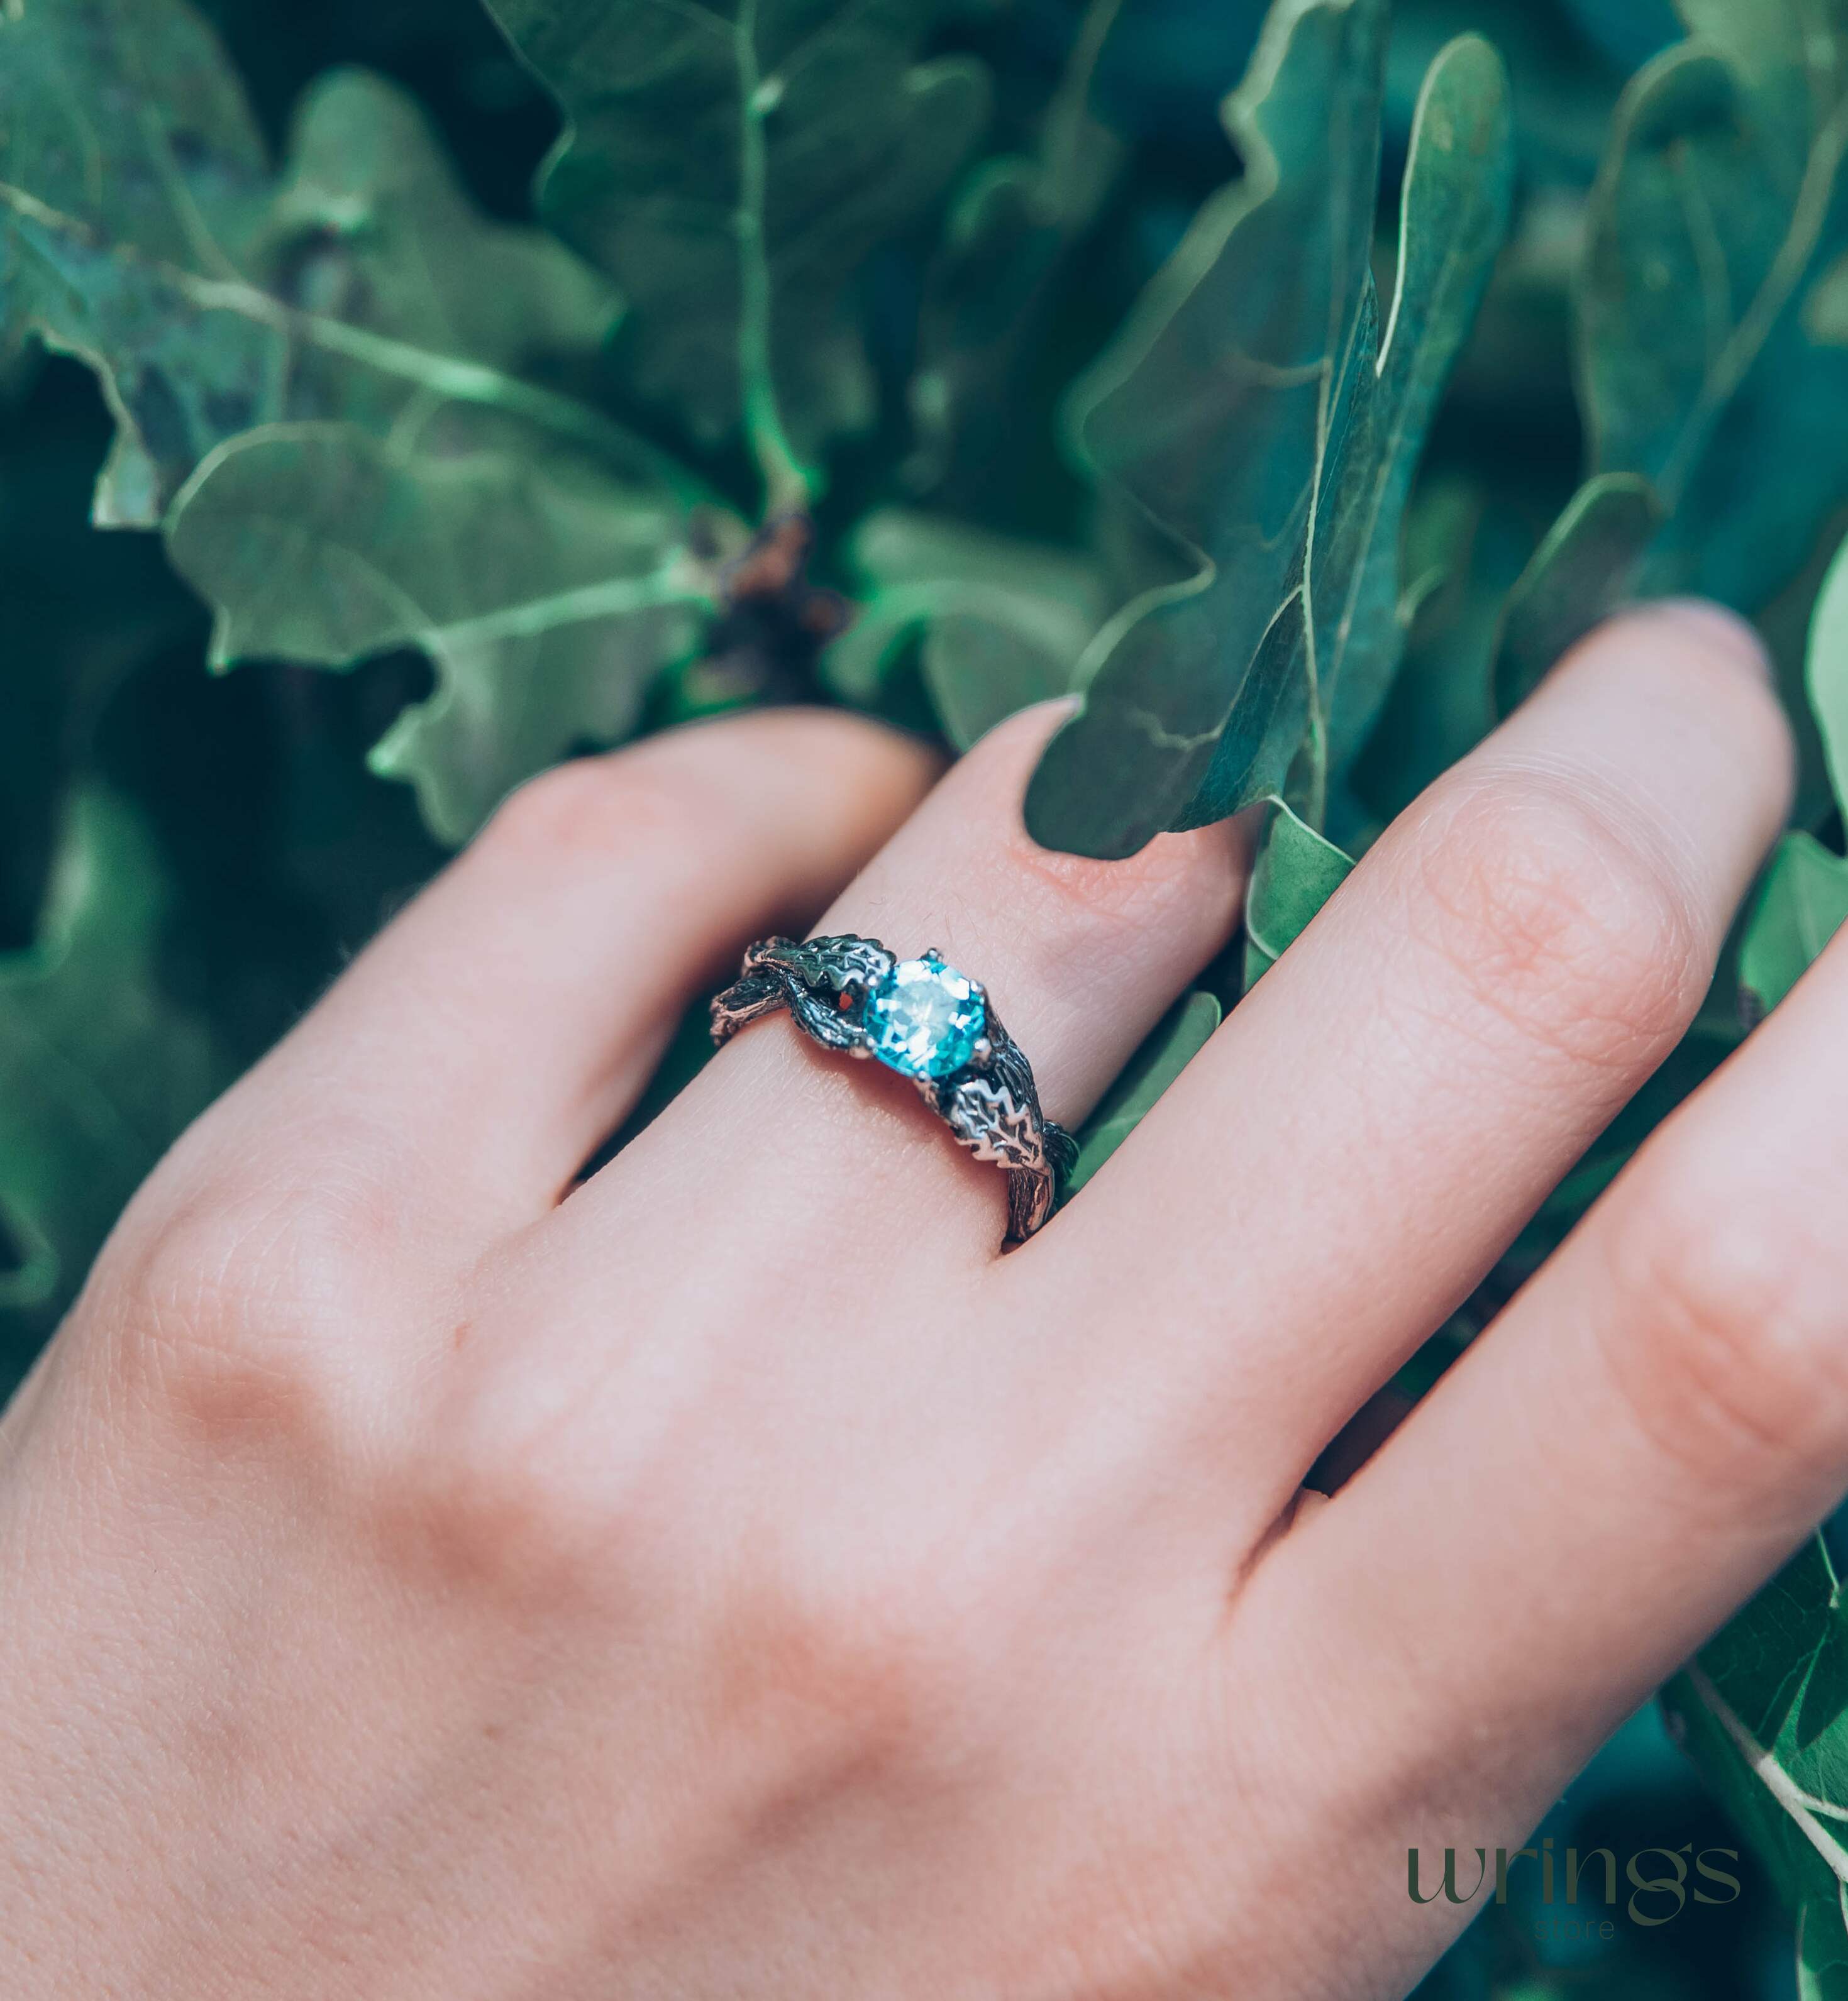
(925, 1017)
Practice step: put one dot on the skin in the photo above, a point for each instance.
(422, 1577)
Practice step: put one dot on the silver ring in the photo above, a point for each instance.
(923, 1018)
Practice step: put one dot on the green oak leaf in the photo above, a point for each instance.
(1253, 420)
(133, 185)
(1582, 570)
(731, 163)
(1802, 902)
(1822, 1949)
(1764, 1709)
(99, 1070)
(1175, 1041)
(1825, 672)
(1454, 218)
(980, 669)
(1002, 623)
(547, 595)
(1012, 230)
(1296, 872)
(141, 230)
(370, 233)
(1215, 417)
(358, 289)
(1710, 362)
(1466, 544)
(1760, 1661)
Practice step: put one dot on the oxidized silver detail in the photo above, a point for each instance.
(990, 1104)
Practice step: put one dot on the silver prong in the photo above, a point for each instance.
(982, 1054)
(859, 1049)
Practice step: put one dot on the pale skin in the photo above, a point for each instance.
(422, 1577)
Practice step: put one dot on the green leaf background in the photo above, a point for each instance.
(730, 164)
(1284, 388)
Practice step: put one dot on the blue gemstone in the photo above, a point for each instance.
(925, 1017)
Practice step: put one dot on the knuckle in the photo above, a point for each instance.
(869, 1657)
(835, 1648)
(1561, 913)
(231, 1307)
(1726, 1335)
(499, 1508)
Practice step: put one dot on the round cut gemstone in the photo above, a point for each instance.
(925, 1017)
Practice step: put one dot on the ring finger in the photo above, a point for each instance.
(1081, 959)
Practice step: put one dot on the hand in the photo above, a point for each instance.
(420, 1577)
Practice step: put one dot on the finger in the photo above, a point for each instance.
(1080, 958)
(1347, 1157)
(1641, 1440)
(502, 1025)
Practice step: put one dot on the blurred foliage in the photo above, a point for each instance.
(1295, 387)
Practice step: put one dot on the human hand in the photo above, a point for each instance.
(421, 1577)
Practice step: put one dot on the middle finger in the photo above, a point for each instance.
(1339, 1168)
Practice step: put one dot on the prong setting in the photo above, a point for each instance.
(929, 1021)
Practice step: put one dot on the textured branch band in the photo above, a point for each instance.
(929, 1022)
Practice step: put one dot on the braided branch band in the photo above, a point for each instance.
(840, 992)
